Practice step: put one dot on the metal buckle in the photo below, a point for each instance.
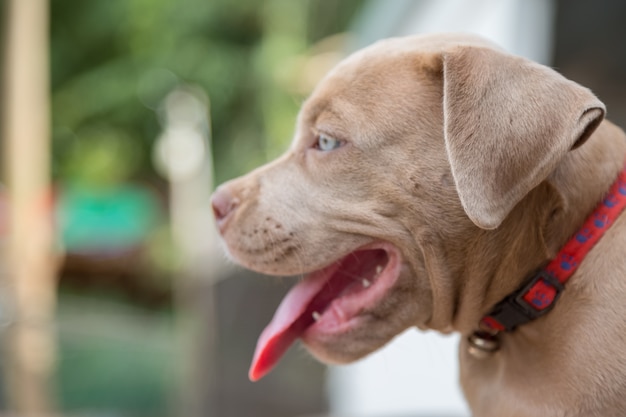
(514, 311)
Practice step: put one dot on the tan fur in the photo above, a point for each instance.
(463, 157)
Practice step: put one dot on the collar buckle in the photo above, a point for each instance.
(533, 300)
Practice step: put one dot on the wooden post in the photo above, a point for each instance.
(28, 343)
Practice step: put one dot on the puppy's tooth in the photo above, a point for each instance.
(366, 283)
(316, 316)
(379, 269)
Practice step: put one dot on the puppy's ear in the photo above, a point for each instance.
(507, 123)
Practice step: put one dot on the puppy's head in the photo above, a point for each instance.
(404, 145)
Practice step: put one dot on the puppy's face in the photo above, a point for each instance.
(395, 151)
(344, 207)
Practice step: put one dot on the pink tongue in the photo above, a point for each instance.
(314, 294)
(293, 317)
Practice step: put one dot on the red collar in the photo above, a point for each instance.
(540, 293)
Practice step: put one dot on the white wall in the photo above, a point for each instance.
(416, 375)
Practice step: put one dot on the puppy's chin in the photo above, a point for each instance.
(344, 349)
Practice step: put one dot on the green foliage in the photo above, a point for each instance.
(113, 61)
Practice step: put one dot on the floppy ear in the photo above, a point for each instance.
(507, 123)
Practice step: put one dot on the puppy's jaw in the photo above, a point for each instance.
(302, 234)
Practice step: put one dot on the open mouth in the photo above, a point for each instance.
(328, 301)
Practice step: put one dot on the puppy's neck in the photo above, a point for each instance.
(582, 180)
(499, 261)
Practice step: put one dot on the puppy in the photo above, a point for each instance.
(428, 179)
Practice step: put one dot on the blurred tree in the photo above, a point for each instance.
(113, 61)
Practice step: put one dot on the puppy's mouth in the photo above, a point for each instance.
(328, 302)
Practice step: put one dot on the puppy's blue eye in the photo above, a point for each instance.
(326, 143)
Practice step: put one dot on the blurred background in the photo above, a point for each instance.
(119, 117)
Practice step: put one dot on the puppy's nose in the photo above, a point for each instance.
(224, 204)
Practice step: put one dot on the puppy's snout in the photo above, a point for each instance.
(224, 204)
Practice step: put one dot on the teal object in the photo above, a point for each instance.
(105, 220)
